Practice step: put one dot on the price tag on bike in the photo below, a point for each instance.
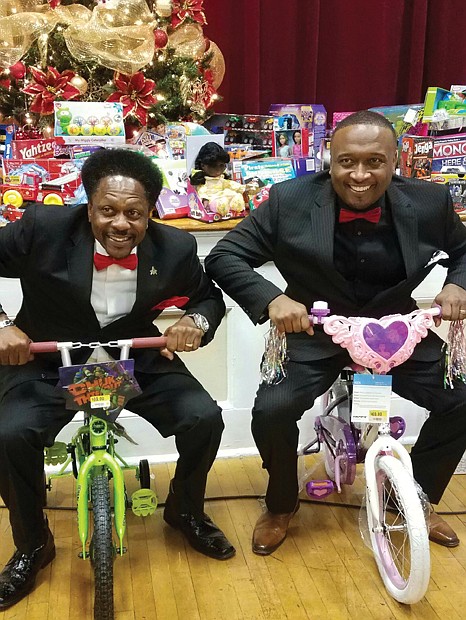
(371, 398)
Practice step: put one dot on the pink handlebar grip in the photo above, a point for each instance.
(43, 347)
(156, 342)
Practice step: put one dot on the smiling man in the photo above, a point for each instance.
(360, 239)
(98, 273)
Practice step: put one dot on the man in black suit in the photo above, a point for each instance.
(99, 273)
(315, 230)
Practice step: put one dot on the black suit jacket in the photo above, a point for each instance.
(295, 230)
(51, 251)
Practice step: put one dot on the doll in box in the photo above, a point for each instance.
(284, 149)
(216, 191)
(297, 150)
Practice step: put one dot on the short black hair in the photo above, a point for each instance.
(211, 153)
(366, 117)
(126, 163)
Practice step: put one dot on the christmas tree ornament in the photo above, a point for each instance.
(135, 92)
(79, 83)
(49, 86)
(18, 70)
(187, 9)
(160, 38)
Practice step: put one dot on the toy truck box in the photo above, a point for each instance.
(297, 116)
(416, 156)
(51, 181)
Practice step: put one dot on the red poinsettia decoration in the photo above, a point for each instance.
(48, 87)
(183, 9)
(208, 87)
(135, 93)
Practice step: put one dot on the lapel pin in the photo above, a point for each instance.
(153, 271)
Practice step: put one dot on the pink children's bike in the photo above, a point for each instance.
(355, 428)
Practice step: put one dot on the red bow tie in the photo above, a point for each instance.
(373, 215)
(102, 262)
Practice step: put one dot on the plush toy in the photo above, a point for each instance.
(217, 192)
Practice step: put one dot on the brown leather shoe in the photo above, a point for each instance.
(270, 531)
(441, 533)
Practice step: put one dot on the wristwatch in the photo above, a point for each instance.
(200, 321)
(6, 323)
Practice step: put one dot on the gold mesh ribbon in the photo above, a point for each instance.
(21, 23)
(117, 35)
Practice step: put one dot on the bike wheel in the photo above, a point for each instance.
(102, 550)
(144, 474)
(399, 536)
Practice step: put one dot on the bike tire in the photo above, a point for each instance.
(144, 474)
(399, 537)
(102, 549)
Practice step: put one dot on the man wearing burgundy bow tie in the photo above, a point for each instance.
(362, 240)
(97, 273)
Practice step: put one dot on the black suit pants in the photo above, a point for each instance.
(32, 413)
(438, 449)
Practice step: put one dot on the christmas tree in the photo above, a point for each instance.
(151, 55)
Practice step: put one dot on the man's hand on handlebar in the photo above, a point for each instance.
(14, 347)
(182, 336)
(289, 315)
(452, 300)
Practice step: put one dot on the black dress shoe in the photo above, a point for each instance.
(202, 534)
(19, 576)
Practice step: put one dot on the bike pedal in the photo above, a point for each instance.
(143, 502)
(318, 489)
(56, 454)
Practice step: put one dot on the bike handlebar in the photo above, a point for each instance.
(156, 342)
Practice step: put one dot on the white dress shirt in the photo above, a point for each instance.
(113, 295)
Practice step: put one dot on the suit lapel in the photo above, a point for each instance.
(323, 227)
(406, 226)
(80, 257)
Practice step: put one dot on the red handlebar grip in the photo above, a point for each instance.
(43, 347)
(155, 342)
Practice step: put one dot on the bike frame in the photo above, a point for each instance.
(100, 454)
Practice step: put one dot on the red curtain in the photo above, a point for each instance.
(345, 54)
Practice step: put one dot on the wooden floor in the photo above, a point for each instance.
(323, 570)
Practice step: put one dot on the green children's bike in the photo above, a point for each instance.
(101, 391)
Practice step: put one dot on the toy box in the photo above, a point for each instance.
(203, 209)
(291, 143)
(449, 155)
(41, 148)
(416, 156)
(405, 118)
(85, 122)
(456, 184)
(51, 181)
(267, 171)
(253, 130)
(170, 205)
(311, 117)
(7, 134)
(303, 165)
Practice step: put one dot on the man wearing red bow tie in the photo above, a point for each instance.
(97, 273)
(362, 240)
